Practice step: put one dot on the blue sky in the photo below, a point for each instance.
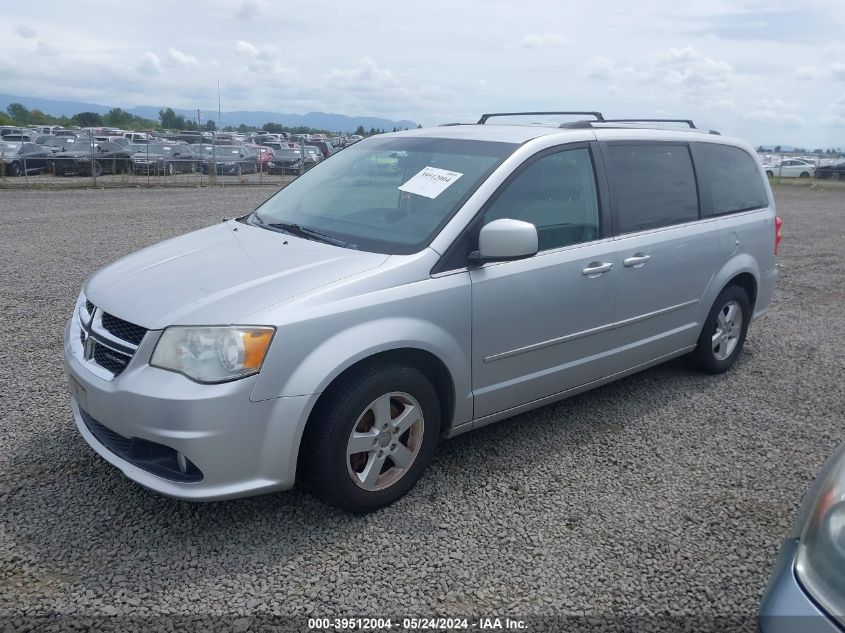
(771, 72)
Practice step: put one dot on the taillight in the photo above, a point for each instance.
(778, 224)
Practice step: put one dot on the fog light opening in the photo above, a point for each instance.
(182, 463)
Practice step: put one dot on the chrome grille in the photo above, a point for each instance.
(108, 342)
(123, 329)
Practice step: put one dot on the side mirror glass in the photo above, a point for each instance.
(506, 239)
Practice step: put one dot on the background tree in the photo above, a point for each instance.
(5, 119)
(37, 117)
(360, 131)
(87, 119)
(117, 117)
(210, 126)
(18, 113)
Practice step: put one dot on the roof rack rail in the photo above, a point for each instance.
(684, 121)
(484, 117)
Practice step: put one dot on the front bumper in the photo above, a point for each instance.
(240, 447)
(786, 607)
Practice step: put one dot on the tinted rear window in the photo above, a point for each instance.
(732, 177)
(651, 186)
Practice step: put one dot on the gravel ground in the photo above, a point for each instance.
(664, 494)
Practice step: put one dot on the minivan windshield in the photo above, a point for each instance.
(354, 197)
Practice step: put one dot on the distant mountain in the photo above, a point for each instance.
(319, 120)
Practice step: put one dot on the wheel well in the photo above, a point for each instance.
(747, 282)
(426, 362)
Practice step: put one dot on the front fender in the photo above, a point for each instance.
(339, 352)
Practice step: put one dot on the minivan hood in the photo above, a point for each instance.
(218, 275)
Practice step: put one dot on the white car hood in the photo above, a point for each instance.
(219, 274)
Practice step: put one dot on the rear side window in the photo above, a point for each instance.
(651, 186)
(732, 178)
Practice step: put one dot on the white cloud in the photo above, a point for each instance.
(774, 112)
(149, 64)
(251, 9)
(367, 76)
(24, 31)
(834, 114)
(182, 59)
(835, 72)
(808, 73)
(533, 40)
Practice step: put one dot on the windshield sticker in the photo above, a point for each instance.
(430, 182)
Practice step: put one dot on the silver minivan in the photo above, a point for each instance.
(412, 287)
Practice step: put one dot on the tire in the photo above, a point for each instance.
(349, 481)
(240, 170)
(97, 169)
(804, 174)
(714, 357)
(169, 169)
(14, 169)
(770, 174)
(193, 167)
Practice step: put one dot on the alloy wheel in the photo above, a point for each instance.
(727, 331)
(385, 441)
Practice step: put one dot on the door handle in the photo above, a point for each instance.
(596, 268)
(637, 260)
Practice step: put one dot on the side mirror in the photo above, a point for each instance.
(505, 239)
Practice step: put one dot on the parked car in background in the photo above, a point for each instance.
(20, 138)
(229, 160)
(806, 590)
(86, 158)
(324, 147)
(17, 159)
(287, 161)
(163, 159)
(834, 171)
(55, 143)
(314, 154)
(790, 168)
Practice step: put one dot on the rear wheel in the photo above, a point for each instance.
(723, 335)
(373, 438)
(97, 168)
(14, 169)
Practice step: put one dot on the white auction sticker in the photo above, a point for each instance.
(430, 182)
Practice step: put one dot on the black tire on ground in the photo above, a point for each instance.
(770, 174)
(704, 356)
(97, 168)
(14, 169)
(804, 174)
(325, 461)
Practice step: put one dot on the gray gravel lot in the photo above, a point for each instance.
(665, 493)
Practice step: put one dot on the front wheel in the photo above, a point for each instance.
(770, 174)
(723, 335)
(373, 438)
(804, 174)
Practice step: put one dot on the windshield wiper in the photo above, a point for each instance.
(304, 231)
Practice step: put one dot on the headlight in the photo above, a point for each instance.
(213, 354)
(820, 564)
